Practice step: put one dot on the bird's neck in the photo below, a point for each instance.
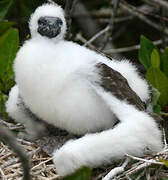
(56, 40)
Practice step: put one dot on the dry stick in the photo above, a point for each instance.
(73, 6)
(146, 163)
(54, 177)
(163, 24)
(140, 175)
(33, 152)
(69, 6)
(88, 42)
(24, 142)
(97, 14)
(164, 138)
(92, 25)
(84, 41)
(116, 20)
(149, 12)
(7, 137)
(35, 167)
(148, 177)
(5, 156)
(133, 10)
(127, 49)
(108, 34)
(79, 37)
(116, 170)
(164, 114)
(97, 35)
(107, 28)
(50, 1)
(107, 12)
(9, 162)
(11, 126)
(127, 177)
(141, 166)
(151, 161)
(2, 174)
(162, 152)
(163, 18)
(159, 2)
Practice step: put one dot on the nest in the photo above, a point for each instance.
(42, 167)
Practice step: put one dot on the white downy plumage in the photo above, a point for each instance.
(56, 80)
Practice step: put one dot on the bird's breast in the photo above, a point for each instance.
(52, 91)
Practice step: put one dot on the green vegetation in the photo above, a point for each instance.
(82, 174)
(11, 14)
(9, 43)
(156, 64)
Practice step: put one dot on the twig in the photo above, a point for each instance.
(142, 174)
(164, 114)
(116, 170)
(5, 156)
(9, 162)
(162, 152)
(31, 153)
(135, 169)
(13, 175)
(69, 7)
(134, 11)
(127, 49)
(2, 174)
(50, 1)
(116, 20)
(73, 6)
(163, 24)
(54, 177)
(17, 165)
(151, 161)
(148, 177)
(24, 142)
(83, 40)
(142, 164)
(108, 33)
(80, 37)
(115, 4)
(164, 138)
(107, 28)
(160, 3)
(11, 126)
(35, 167)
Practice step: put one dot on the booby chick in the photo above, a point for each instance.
(80, 91)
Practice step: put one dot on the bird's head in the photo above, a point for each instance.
(48, 21)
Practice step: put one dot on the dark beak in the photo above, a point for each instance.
(49, 26)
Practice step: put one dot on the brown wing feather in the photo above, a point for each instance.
(115, 83)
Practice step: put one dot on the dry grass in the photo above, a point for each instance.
(42, 167)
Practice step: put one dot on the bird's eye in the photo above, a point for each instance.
(42, 21)
(59, 21)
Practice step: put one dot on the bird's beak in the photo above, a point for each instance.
(49, 26)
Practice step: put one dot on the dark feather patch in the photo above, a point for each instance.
(115, 83)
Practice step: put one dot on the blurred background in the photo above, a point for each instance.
(127, 20)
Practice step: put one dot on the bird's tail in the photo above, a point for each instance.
(136, 132)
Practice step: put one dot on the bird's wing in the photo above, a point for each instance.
(112, 81)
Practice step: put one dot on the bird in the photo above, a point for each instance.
(80, 91)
